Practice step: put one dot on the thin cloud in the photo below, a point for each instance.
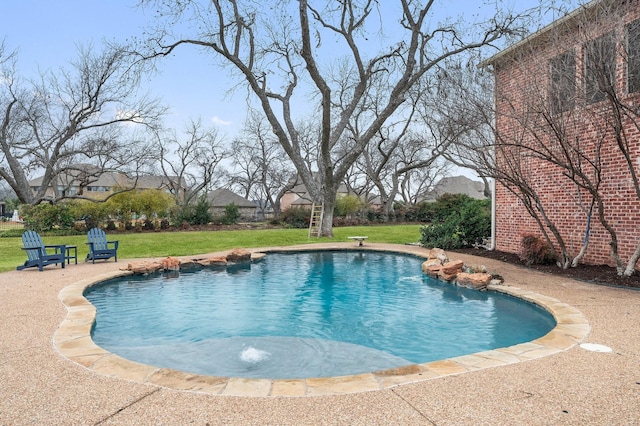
(219, 121)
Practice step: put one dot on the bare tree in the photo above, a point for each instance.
(405, 165)
(572, 135)
(192, 160)
(263, 170)
(569, 120)
(90, 113)
(621, 114)
(280, 53)
(539, 138)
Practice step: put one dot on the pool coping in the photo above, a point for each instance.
(73, 341)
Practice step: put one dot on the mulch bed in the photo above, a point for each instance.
(598, 274)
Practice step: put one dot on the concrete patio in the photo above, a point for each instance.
(38, 385)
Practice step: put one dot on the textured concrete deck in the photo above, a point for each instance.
(51, 373)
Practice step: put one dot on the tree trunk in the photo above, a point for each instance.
(329, 203)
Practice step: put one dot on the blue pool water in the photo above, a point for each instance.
(310, 314)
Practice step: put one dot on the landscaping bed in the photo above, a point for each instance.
(599, 274)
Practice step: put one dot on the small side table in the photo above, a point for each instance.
(68, 255)
(359, 239)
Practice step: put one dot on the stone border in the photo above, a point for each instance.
(73, 341)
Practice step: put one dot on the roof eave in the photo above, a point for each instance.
(538, 35)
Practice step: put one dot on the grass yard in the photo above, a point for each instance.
(162, 244)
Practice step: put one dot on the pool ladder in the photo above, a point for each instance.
(315, 223)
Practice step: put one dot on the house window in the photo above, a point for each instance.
(633, 56)
(98, 188)
(563, 77)
(599, 60)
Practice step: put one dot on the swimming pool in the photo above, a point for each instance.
(313, 314)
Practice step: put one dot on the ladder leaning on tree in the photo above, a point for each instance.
(315, 223)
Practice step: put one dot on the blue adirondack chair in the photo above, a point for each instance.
(37, 252)
(99, 247)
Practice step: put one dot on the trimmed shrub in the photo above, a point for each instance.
(231, 214)
(467, 224)
(181, 215)
(446, 235)
(193, 215)
(148, 225)
(296, 217)
(536, 251)
(93, 213)
(348, 206)
(201, 213)
(373, 215)
(149, 203)
(421, 212)
(45, 217)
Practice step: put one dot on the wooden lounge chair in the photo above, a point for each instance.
(37, 252)
(99, 247)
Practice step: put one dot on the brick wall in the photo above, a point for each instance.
(522, 87)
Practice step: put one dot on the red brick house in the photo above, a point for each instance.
(567, 102)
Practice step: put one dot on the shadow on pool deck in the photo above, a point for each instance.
(572, 385)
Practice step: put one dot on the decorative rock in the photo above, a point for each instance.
(477, 281)
(144, 267)
(496, 279)
(218, 261)
(430, 262)
(446, 277)
(450, 269)
(187, 264)
(472, 269)
(433, 270)
(438, 253)
(453, 267)
(438, 266)
(174, 264)
(257, 256)
(238, 256)
(170, 264)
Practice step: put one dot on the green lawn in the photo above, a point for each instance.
(161, 244)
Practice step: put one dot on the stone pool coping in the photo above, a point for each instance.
(73, 340)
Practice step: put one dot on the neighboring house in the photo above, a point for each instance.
(559, 64)
(456, 185)
(87, 181)
(221, 198)
(168, 184)
(298, 196)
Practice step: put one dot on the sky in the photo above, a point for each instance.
(46, 34)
